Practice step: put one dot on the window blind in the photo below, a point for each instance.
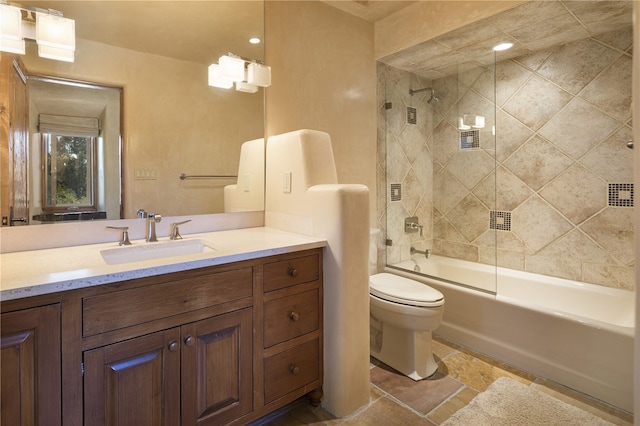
(69, 126)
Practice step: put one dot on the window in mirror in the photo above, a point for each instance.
(69, 162)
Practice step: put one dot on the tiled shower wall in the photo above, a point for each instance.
(558, 168)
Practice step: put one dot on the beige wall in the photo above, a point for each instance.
(425, 20)
(324, 78)
(173, 122)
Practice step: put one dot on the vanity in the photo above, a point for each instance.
(225, 334)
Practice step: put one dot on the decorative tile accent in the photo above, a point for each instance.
(412, 115)
(500, 221)
(621, 194)
(396, 192)
(470, 139)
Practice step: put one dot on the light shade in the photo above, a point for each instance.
(231, 68)
(10, 23)
(259, 74)
(56, 53)
(215, 80)
(462, 125)
(467, 121)
(12, 46)
(245, 87)
(55, 31)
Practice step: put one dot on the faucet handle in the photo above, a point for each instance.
(141, 213)
(124, 237)
(175, 232)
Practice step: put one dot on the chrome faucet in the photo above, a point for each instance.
(411, 224)
(427, 252)
(151, 220)
(175, 231)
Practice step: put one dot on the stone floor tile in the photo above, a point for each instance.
(422, 396)
(388, 413)
(453, 404)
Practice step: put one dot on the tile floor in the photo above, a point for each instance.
(463, 374)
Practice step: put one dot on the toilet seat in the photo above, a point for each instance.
(395, 288)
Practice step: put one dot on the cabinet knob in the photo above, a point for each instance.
(294, 369)
(294, 316)
(189, 340)
(173, 346)
(293, 272)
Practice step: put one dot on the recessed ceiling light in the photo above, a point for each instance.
(254, 40)
(502, 46)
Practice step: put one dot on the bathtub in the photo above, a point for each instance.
(579, 335)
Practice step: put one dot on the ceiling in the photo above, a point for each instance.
(533, 26)
(196, 31)
(205, 30)
(370, 10)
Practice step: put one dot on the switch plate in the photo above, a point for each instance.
(146, 174)
(286, 182)
(246, 183)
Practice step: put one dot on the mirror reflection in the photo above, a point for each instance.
(153, 57)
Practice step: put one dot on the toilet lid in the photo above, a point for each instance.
(395, 288)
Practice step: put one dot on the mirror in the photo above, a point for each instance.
(172, 122)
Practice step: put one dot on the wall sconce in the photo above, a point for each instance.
(469, 121)
(247, 75)
(54, 34)
(11, 30)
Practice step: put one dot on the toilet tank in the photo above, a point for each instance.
(374, 239)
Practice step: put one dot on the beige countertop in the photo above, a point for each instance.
(37, 272)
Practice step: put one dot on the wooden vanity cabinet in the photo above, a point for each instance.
(219, 345)
(30, 376)
(205, 365)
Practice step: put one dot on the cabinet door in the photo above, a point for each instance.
(217, 369)
(135, 382)
(30, 376)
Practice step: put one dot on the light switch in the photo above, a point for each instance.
(286, 182)
(246, 183)
(146, 174)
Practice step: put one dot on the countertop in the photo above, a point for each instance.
(37, 272)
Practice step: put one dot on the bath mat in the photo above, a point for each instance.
(510, 403)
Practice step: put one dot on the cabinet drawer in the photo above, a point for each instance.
(290, 317)
(290, 272)
(290, 370)
(125, 308)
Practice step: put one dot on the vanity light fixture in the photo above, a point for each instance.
(11, 30)
(216, 80)
(248, 75)
(54, 34)
(469, 121)
(231, 67)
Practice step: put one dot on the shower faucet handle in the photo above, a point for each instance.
(412, 225)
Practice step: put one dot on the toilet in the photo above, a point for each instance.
(403, 315)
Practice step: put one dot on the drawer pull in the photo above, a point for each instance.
(294, 316)
(173, 346)
(293, 273)
(189, 341)
(294, 369)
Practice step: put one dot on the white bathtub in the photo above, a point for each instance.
(579, 335)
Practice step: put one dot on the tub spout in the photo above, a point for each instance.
(427, 252)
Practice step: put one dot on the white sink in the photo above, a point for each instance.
(159, 250)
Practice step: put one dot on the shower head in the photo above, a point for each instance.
(433, 97)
